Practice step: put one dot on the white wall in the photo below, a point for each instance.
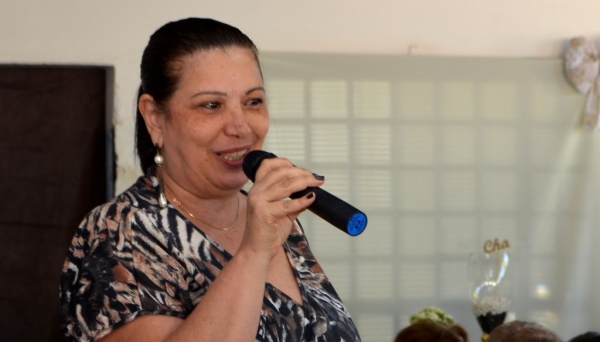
(112, 32)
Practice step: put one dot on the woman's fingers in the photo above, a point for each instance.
(293, 208)
(277, 179)
(270, 164)
(271, 199)
(271, 211)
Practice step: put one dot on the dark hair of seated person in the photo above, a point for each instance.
(519, 331)
(590, 336)
(429, 331)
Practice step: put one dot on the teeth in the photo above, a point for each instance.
(234, 156)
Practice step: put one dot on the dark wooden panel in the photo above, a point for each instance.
(53, 170)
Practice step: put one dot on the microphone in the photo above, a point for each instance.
(328, 207)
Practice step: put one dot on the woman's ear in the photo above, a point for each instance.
(153, 117)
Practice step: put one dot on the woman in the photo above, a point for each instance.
(185, 254)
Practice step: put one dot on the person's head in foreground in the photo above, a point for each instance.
(522, 331)
(590, 336)
(432, 325)
(430, 331)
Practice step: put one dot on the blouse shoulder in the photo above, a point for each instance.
(118, 268)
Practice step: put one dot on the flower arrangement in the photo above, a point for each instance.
(433, 313)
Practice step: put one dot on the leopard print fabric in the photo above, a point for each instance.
(131, 258)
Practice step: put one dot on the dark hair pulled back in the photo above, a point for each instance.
(159, 71)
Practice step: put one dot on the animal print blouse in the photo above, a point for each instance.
(130, 258)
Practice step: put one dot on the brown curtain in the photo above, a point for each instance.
(55, 165)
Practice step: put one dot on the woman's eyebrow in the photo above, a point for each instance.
(210, 92)
(220, 93)
(255, 89)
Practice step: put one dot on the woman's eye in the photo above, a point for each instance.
(211, 105)
(255, 102)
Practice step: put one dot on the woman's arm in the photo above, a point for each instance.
(229, 311)
(231, 308)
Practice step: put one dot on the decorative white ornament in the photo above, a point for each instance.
(582, 68)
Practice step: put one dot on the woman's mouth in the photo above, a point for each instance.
(233, 156)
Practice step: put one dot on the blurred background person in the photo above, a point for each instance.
(521, 331)
(590, 336)
(432, 325)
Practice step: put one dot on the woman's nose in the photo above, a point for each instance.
(237, 122)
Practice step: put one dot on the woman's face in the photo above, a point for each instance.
(216, 115)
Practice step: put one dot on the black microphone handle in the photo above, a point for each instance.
(338, 213)
(327, 206)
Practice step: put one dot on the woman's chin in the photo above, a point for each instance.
(235, 182)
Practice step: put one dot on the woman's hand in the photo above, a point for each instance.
(270, 211)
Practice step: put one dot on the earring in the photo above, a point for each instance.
(158, 159)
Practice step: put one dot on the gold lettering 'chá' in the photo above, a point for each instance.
(490, 246)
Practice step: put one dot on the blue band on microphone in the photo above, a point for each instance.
(356, 224)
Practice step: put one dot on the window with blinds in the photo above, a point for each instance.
(442, 154)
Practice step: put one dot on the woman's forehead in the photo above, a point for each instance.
(220, 68)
